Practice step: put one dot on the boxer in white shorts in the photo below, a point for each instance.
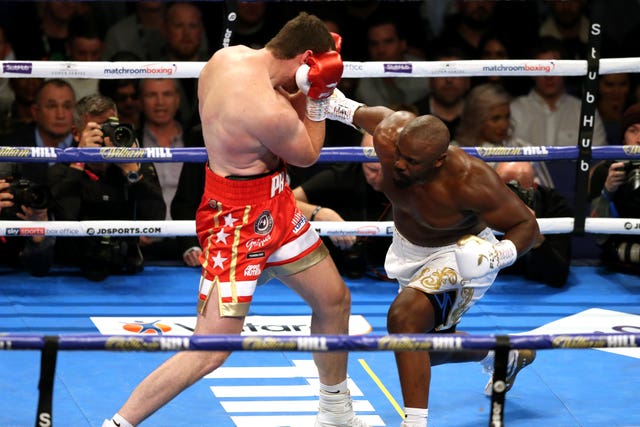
(444, 255)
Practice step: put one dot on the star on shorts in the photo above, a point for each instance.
(218, 261)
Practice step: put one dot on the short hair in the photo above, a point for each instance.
(549, 44)
(301, 33)
(59, 83)
(475, 111)
(93, 105)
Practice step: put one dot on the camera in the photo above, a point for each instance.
(121, 134)
(107, 255)
(526, 195)
(632, 171)
(29, 194)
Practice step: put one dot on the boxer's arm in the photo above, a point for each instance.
(480, 190)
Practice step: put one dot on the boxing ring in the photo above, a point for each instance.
(52, 346)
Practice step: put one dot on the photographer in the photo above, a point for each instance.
(614, 191)
(104, 191)
(23, 200)
(550, 260)
(52, 119)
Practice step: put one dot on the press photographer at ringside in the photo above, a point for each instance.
(23, 190)
(103, 191)
(614, 190)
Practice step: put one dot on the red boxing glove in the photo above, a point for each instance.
(337, 39)
(320, 75)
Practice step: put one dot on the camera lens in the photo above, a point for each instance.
(123, 137)
(633, 180)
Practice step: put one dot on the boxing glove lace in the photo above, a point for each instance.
(317, 79)
(476, 257)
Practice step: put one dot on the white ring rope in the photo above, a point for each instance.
(324, 228)
(159, 69)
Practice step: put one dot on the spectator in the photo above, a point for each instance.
(548, 115)
(614, 190)
(6, 54)
(486, 122)
(349, 192)
(185, 41)
(495, 46)
(160, 103)
(21, 112)
(568, 21)
(256, 22)
(614, 92)
(52, 112)
(549, 260)
(85, 43)
(446, 94)
(124, 92)
(103, 191)
(48, 32)
(139, 33)
(387, 43)
(464, 29)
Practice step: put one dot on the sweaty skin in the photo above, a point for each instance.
(438, 192)
(250, 126)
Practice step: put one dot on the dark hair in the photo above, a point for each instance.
(108, 87)
(93, 105)
(304, 32)
(85, 26)
(549, 44)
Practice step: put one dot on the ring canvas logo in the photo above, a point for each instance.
(593, 321)
(253, 325)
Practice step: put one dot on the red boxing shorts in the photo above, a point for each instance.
(250, 231)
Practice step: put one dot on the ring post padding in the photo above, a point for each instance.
(499, 382)
(48, 358)
(587, 121)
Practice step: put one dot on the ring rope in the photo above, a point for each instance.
(327, 154)
(324, 228)
(192, 69)
(319, 343)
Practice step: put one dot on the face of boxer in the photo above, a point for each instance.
(495, 128)
(414, 160)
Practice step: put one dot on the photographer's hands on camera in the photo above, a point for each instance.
(616, 176)
(24, 213)
(93, 136)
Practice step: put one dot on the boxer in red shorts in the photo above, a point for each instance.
(250, 231)
(260, 109)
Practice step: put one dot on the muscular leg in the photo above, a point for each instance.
(322, 287)
(183, 369)
(412, 313)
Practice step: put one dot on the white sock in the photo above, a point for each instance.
(416, 416)
(118, 420)
(335, 389)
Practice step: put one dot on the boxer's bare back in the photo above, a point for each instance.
(247, 132)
